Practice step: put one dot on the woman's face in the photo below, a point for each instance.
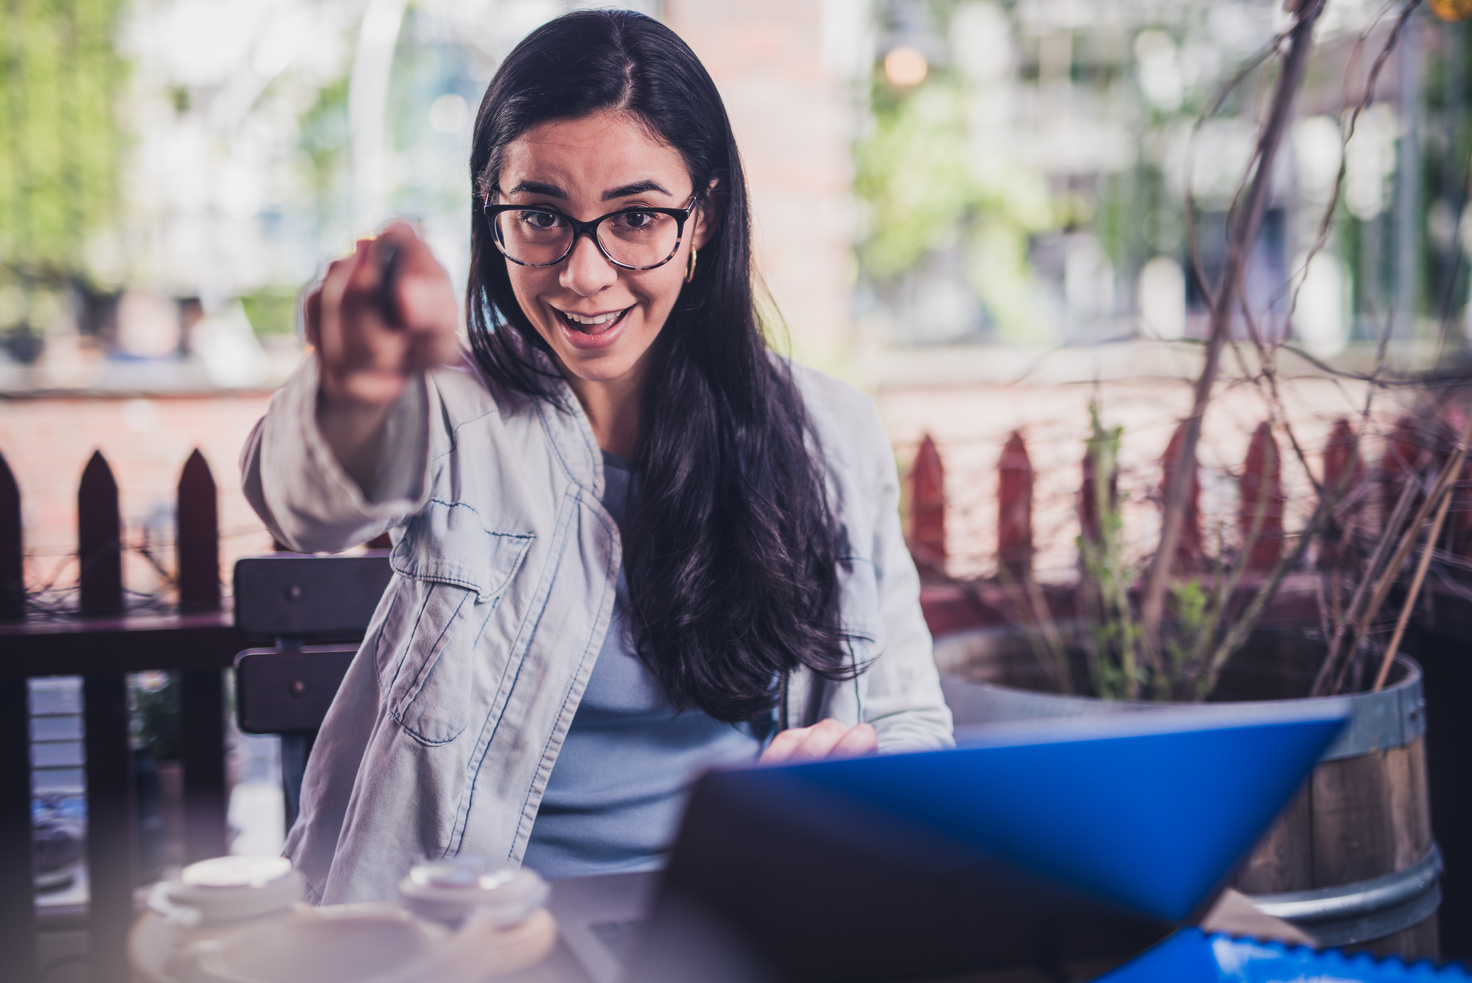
(599, 319)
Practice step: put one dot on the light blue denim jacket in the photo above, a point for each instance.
(449, 720)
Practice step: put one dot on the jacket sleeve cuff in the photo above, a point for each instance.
(310, 501)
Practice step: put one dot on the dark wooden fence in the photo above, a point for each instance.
(103, 643)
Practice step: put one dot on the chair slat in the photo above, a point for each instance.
(303, 596)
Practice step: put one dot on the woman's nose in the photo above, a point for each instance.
(587, 270)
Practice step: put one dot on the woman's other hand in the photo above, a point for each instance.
(825, 739)
(372, 338)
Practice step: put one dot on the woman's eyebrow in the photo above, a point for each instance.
(539, 188)
(637, 188)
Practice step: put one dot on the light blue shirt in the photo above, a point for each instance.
(618, 788)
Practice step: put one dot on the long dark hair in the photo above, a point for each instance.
(731, 548)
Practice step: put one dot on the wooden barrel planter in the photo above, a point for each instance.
(1351, 860)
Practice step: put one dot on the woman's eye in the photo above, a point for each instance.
(637, 220)
(540, 220)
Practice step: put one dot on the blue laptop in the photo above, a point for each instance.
(1047, 850)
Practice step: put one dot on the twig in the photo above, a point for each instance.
(1213, 106)
(1408, 541)
(1397, 517)
(1234, 575)
(1268, 372)
(1248, 619)
(1243, 235)
(1230, 295)
(1028, 601)
(1367, 96)
(1044, 616)
(1415, 590)
(1456, 271)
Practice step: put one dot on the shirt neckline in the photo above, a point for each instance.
(612, 460)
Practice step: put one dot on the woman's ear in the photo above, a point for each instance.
(707, 216)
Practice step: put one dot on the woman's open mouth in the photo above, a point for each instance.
(593, 331)
(593, 324)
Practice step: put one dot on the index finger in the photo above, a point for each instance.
(785, 744)
(415, 290)
(860, 739)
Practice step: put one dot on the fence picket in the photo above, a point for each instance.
(202, 693)
(12, 564)
(198, 533)
(1337, 454)
(1262, 487)
(111, 812)
(17, 855)
(928, 507)
(1404, 456)
(1190, 552)
(99, 539)
(112, 837)
(1014, 508)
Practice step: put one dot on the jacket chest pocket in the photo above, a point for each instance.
(452, 573)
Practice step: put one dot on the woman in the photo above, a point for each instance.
(630, 543)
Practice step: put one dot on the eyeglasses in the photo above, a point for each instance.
(641, 238)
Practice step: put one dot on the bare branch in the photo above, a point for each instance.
(1243, 235)
(1414, 591)
(1408, 541)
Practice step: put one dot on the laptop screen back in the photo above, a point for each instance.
(1034, 848)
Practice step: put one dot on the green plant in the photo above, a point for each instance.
(1114, 643)
(1119, 667)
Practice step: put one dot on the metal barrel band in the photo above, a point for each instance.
(1392, 717)
(1353, 913)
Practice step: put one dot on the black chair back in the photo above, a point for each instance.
(316, 609)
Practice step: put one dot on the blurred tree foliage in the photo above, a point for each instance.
(60, 139)
(271, 310)
(924, 187)
(323, 142)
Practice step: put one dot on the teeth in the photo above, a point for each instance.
(600, 319)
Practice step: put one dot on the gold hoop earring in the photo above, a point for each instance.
(690, 266)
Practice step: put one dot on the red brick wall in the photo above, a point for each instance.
(48, 441)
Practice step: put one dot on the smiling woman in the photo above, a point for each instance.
(631, 543)
(598, 292)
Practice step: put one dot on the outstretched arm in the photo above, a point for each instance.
(342, 452)
(381, 317)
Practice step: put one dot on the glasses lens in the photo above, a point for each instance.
(532, 235)
(639, 239)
